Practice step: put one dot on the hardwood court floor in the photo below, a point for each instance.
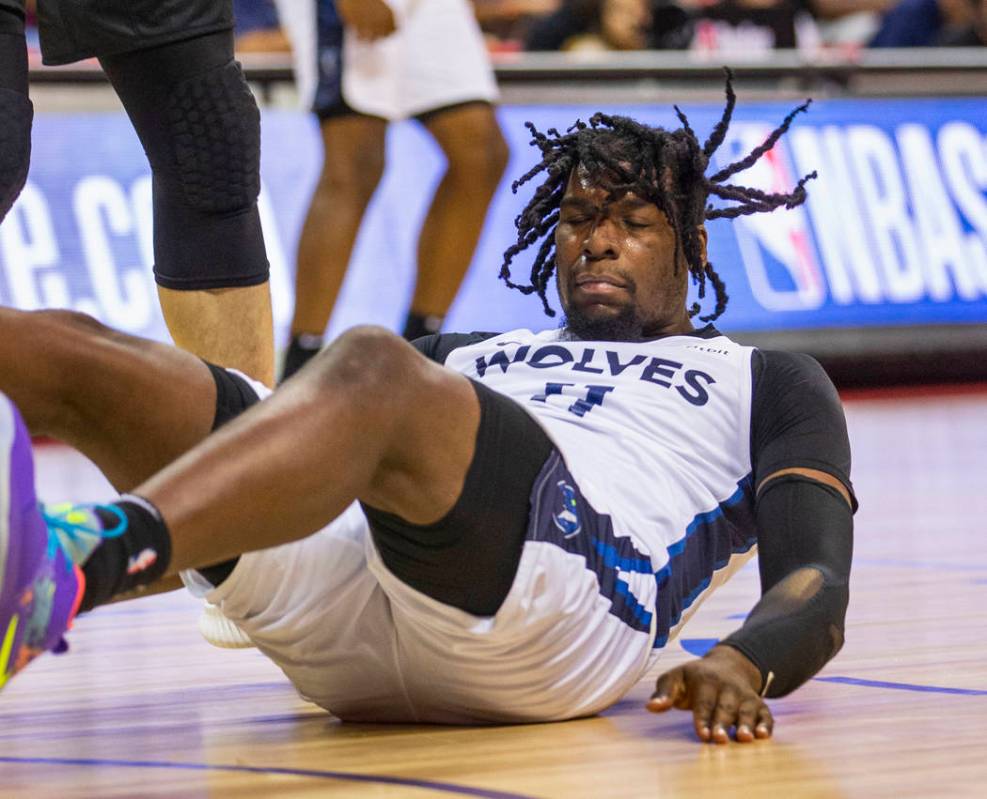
(143, 707)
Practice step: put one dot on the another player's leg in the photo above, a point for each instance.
(477, 157)
(353, 147)
(230, 327)
(200, 128)
(16, 111)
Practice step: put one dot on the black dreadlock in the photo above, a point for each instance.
(665, 167)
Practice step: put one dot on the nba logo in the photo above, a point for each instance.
(776, 248)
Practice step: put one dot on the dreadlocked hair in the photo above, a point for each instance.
(665, 167)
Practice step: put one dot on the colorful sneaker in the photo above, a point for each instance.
(41, 584)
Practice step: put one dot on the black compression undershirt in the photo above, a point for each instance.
(796, 418)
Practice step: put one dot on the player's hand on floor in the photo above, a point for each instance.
(721, 689)
(371, 19)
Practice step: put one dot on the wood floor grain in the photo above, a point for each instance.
(142, 706)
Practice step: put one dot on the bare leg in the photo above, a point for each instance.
(132, 406)
(228, 327)
(369, 419)
(477, 155)
(353, 164)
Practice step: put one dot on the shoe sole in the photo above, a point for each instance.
(220, 631)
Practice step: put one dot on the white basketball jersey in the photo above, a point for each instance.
(657, 435)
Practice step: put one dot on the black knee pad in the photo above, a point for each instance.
(207, 227)
(215, 128)
(16, 114)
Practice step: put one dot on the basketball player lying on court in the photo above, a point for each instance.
(474, 528)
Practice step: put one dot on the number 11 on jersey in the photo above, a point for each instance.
(588, 396)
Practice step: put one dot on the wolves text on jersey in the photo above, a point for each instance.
(691, 384)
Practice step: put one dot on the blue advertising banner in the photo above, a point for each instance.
(894, 232)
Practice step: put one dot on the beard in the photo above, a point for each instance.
(625, 326)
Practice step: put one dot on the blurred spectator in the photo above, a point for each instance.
(257, 28)
(848, 22)
(720, 26)
(748, 26)
(505, 22)
(970, 34)
(611, 25)
(31, 30)
(930, 23)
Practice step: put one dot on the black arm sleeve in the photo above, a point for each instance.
(805, 527)
(796, 418)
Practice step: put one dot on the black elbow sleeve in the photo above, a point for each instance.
(795, 629)
(805, 538)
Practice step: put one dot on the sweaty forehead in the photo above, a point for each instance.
(596, 188)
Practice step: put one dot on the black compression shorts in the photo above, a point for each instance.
(233, 396)
(468, 559)
(75, 29)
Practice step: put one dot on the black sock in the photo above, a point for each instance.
(140, 556)
(301, 350)
(418, 325)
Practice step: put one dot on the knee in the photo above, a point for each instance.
(498, 153)
(481, 158)
(52, 344)
(206, 162)
(64, 323)
(354, 178)
(62, 335)
(370, 362)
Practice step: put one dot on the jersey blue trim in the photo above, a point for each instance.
(613, 559)
(710, 540)
(641, 613)
(562, 516)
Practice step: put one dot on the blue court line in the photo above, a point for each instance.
(902, 686)
(700, 646)
(445, 787)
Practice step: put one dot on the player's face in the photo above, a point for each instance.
(615, 262)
